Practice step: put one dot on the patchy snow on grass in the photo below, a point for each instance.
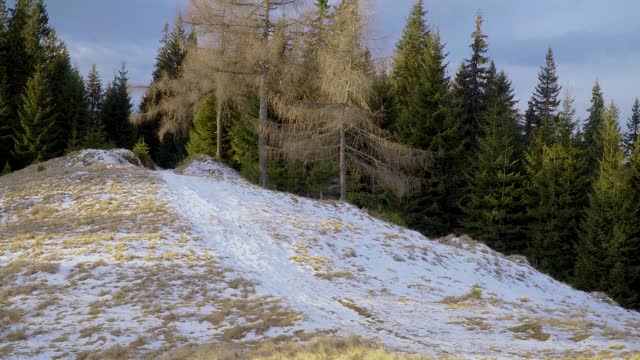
(101, 257)
(118, 157)
(349, 272)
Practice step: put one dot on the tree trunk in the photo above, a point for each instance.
(219, 108)
(343, 164)
(262, 125)
(264, 105)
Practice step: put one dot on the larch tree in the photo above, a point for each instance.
(633, 128)
(238, 50)
(338, 124)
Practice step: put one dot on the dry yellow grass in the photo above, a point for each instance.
(319, 348)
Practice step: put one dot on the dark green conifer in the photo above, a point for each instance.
(36, 120)
(420, 91)
(624, 256)
(603, 223)
(95, 134)
(469, 88)
(591, 128)
(545, 102)
(173, 50)
(633, 128)
(556, 186)
(493, 208)
(202, 136)
(116, 112)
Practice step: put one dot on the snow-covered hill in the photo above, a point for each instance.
(100, 255)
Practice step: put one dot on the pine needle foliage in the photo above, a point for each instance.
(36, 119)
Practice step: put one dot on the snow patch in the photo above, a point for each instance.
(116, 157)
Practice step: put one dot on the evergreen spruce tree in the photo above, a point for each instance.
(409, 72)
(633, 128)
(530, 122)
(624, 256)
(95, 134)
(557, 187)
(566, 124)
(493, 205)
(36, 120)
(68, 98)
(591, 128)
(173, 50)
(469, 88)
(6, 125)
(17, 69)
(604, 220)
(78, 117)
(116, 112)
(28, 27)
(202, 136)
(420, 92)
(545, 102)
(5, 131)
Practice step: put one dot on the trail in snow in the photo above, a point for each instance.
(349, 272)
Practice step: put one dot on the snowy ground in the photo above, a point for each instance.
(97, 254)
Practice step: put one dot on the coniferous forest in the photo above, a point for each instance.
(300, 103)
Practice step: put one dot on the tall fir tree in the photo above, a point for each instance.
(95, 134)
(633, 128)
(529, 122)
(545, 101)
(624, 256)
(5, 132)
(566, 125)
(603, 223)
(6, 125)
(592, 128)
(68, 98)
(116, 112)
(420, 92)
(469, 87)
(78, 116)
(409, 71)
(174, 45)
(556, 187)
(36, 119)
(202, 136)
(493, 206)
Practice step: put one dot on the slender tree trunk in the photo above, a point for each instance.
(219, 108)
(264, 105)
(343, 164)
(262, 125)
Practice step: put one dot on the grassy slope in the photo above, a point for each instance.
(95, 262)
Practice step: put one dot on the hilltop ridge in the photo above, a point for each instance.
(97, 252)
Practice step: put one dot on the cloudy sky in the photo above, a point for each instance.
(592, 39)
